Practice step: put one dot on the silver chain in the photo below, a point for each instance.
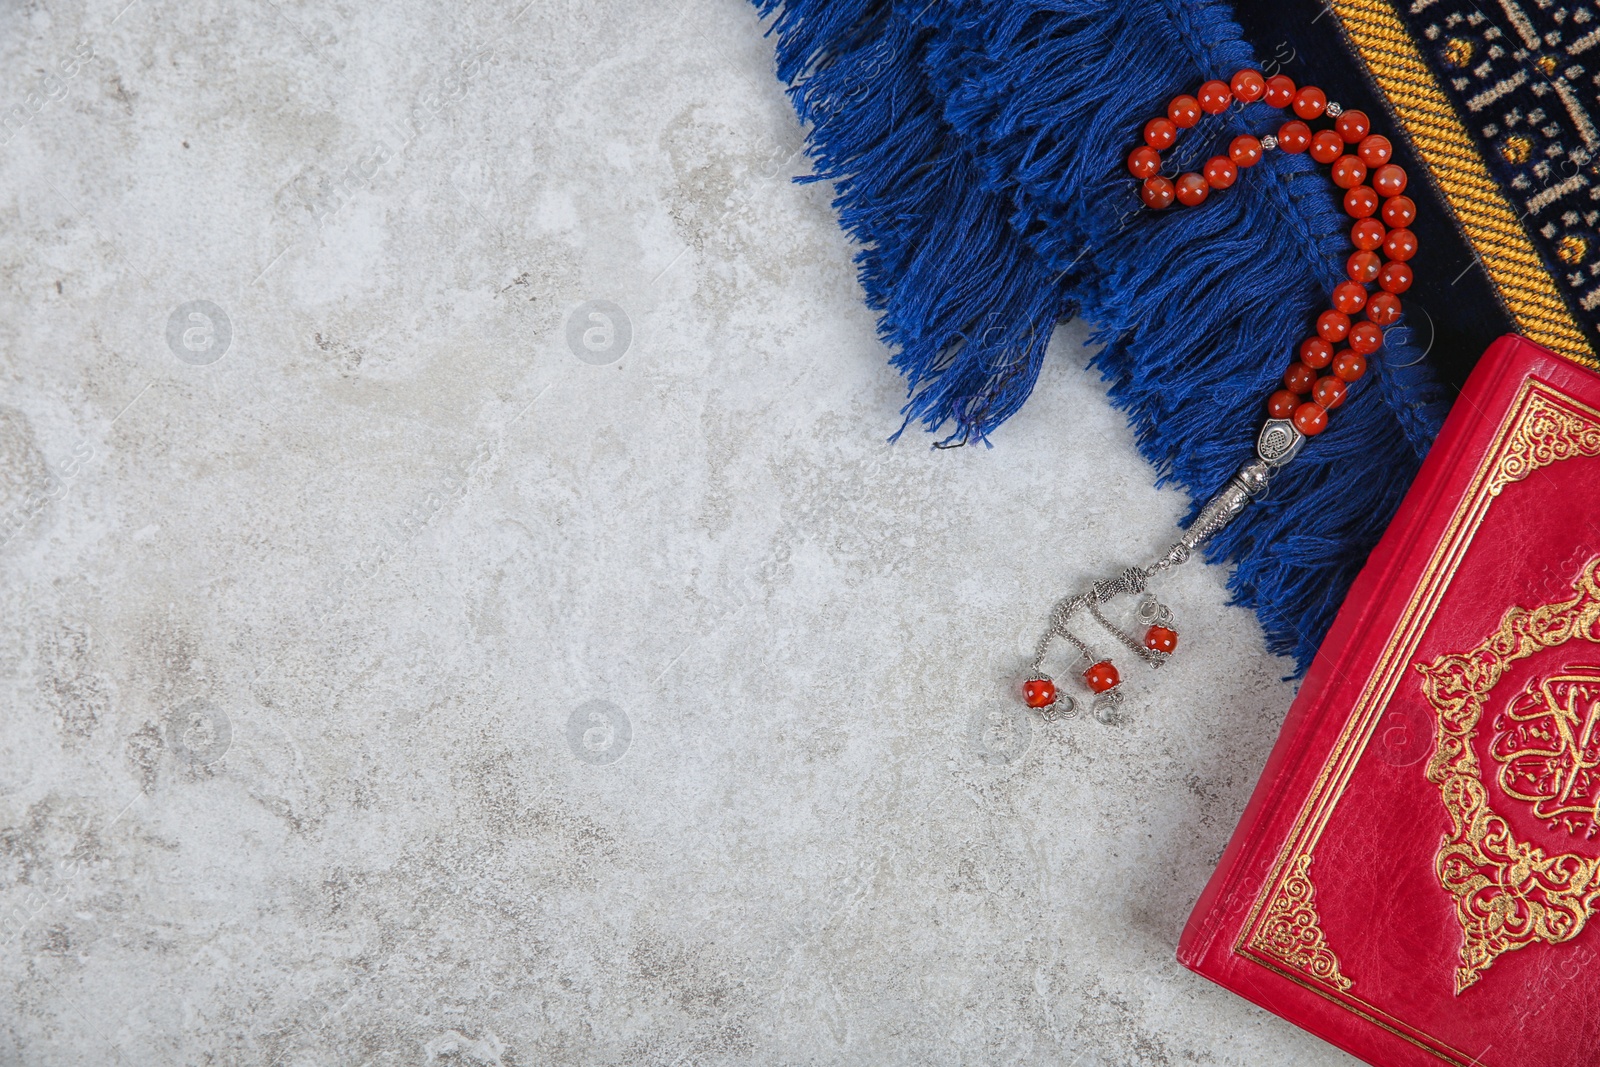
(1277, 444)
(1133, 643)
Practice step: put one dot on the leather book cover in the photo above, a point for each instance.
(1415, 875)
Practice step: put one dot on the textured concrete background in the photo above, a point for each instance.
(460, 607)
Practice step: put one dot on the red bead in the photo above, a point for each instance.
(1160, 133)
(1220, 172)
(1389, 180)
(1144, 162)
(1280, 90)
(1330, 391)
(1310, 102)
(1349, 297)
(1102, 676)
(1184, 111)
(1244, 150)
(1395, 277)
(1399, 211)
(1353, 126)
(1192, 189)
(1157, 192)
(1360, 202)
(1348, 172)
(1326, 146)
(1248, 85)
(1349, 366)
(1365, 338)
(1039, 692)
(1363, 267)
(1400, 245)
(1367, 234)
(1281, 404)
(1215, 97)
(1311, 418)
(1161, 639)
(1294, 136)
(1375, 150)
(1383, 308)
(1299, 378)
(1333, 326)
(1315, 352)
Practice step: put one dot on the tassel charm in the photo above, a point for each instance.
(1277, 444)
(1313, 385)
(960, 139)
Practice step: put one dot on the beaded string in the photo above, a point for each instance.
(1328, 362)
(1317, 381)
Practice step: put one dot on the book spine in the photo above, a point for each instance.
(1248, 856)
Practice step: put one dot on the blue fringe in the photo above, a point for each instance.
(977, 147)
(969, 333)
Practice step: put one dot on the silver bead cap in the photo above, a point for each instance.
(1279, 442)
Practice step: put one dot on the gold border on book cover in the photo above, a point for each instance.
(1547, 433)
(1542, 426)
(1291, 932)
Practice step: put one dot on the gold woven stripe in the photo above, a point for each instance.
(1445, 148)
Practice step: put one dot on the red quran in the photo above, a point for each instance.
(1416, 876)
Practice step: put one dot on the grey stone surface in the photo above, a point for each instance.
(460, 607)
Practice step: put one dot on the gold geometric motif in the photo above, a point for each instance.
(1509, 894)
(1291, 931)
(1547, 434)
(1548, 746)
(1491, 225)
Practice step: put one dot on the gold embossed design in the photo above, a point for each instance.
(1548, 433)
(1291, 933)
(1446, 149)
(1548, 746)
(1509, 893)
(1392, 671)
